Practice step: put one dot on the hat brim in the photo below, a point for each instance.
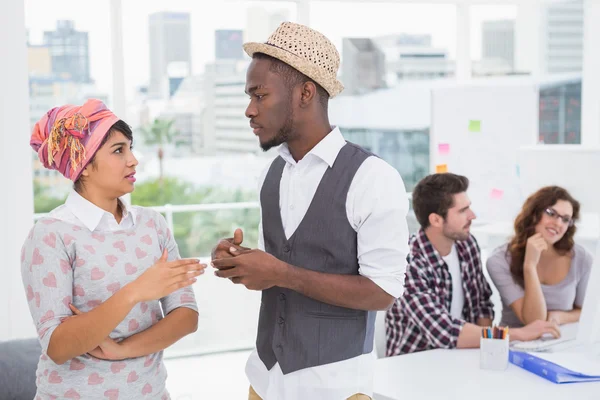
(334, 87)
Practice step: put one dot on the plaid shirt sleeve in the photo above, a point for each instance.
(485, 305)
(426, 310)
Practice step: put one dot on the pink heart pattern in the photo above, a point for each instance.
(38, 300)
(96, 274)
(148, 361)
(150, 224)
(93, 303)
(54, 377)
(120, 245)
(76, 365)
(186, 298)
(113, 287)
(130, 269)
(132, 377)
(49, 280)
(76, 228)
(72, 394)
(29, 293)
(37, 258)
(111, 260)
(117, 367)
(147, 240)
(47, 317)
(65, 267)
(112, 394)
(67, 300)
(147, 389)
(68, 239)
(98, 237)
(50, 240)
(133, 325)
(95, 379)
(78, 291)
(79, 262)
(144, 307)
(90, 248)
(140, 253)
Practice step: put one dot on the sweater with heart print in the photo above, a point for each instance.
(62, 262)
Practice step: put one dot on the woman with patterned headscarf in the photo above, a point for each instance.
(100, 274)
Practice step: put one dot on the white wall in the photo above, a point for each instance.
(16, 202)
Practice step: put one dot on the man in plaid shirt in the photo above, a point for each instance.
(446, 298)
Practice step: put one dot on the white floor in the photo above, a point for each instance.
(215, 376)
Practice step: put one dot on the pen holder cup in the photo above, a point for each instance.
(493, 354)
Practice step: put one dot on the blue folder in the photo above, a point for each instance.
(548, 370)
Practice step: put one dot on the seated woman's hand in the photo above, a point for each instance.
(535, 330)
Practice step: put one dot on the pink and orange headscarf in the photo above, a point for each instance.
(66, 138)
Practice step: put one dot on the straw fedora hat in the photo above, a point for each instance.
(306, 50)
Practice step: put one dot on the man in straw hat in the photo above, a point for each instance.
(333, 235)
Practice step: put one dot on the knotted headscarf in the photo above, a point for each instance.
(67, 137)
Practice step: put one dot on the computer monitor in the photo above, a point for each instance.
(589, 322)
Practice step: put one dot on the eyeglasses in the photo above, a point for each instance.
(565, 218)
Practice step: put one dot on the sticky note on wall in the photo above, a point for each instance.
(440, 169)
(444, 148)
(497, 194)
(474, 125)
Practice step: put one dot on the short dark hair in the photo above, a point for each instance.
(434, 195)
(293, 77)
(120, 126)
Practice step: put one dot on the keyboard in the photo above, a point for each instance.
(568, 333)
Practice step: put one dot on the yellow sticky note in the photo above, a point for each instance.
(474, 125)
(440, 169)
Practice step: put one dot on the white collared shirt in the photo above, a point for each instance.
(376, 207)
(79, 211)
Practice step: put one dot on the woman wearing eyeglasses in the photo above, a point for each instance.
(541, 273)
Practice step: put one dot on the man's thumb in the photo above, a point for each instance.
(238, 237)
